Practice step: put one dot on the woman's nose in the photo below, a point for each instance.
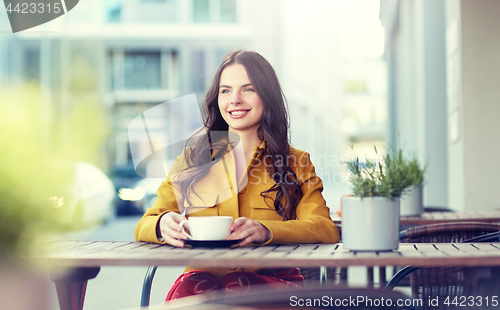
(236, 98)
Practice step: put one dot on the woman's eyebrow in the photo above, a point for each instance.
(244, 85)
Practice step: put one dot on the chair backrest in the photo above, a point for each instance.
(445, 281)
(447, 232)
(437, 209)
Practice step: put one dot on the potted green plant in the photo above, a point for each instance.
(370, 218)
(412, 200)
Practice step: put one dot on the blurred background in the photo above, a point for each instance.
(355, 72)
(125, 57)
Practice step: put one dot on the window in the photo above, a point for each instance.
(198, 71)
(214, 11)
(142, 70)
(114, 14)
(31, 68)
(129, 70)
(227, 11)
(201, 11)
(154, 11)
(136, 70)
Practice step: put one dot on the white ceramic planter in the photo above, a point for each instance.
(412, 201)
(370, 224)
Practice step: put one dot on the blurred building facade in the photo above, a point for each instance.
(131, 55)
(444, 66)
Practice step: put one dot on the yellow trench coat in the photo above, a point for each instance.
(219, 194)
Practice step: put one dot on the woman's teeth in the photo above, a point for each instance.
(238, 112)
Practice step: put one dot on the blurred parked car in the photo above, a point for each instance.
(87, 197)
(150, 186)
(95, 193)
(129, 201)
(135, 193)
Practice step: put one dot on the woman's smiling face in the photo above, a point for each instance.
(239, 103)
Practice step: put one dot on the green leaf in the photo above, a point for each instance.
(389, 177)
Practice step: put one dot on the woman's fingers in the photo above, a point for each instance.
(172, 241)
(237, 223)
(170, 230)
(253, 235)
(238, 228)
(172, 224)
(248, 230)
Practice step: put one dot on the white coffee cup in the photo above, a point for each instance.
(208, 227)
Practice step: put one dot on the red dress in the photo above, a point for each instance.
(204, 282)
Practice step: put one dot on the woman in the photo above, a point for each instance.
(278, 198)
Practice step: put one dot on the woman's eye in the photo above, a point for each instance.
(224, 91)
(249, 89)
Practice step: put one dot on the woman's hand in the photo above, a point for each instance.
(170, 230)
(249, 230)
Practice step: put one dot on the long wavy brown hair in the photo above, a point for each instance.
(202, 151)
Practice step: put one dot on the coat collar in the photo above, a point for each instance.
(259, 150)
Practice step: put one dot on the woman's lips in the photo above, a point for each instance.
(238, 113)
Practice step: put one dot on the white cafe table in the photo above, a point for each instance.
(86, 257)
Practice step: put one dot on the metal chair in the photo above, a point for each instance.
(427, 209)
(447, 232)
(444, 281)
(146, 286)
